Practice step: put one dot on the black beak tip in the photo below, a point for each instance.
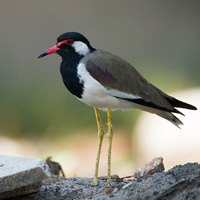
(42, 54)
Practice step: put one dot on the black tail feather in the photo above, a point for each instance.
(180, 104)
(177, 111)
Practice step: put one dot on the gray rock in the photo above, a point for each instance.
(180, 182)
(20, 176)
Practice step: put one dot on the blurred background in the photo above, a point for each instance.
(40, 118)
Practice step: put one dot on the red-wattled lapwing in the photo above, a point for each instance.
(107, 82)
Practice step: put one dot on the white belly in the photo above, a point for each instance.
(100, 99)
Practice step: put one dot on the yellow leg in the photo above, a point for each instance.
(100, 139)
(109, 135)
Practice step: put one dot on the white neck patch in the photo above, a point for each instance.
(81, 48)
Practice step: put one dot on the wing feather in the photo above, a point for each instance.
(123, 81)
(115, 73)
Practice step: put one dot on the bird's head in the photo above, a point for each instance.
(68, 42)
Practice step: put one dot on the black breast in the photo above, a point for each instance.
(68, 70)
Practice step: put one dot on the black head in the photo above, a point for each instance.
(70, 41)
(73, 35)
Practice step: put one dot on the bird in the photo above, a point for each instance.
(107, 82)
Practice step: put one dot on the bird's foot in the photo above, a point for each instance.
(93, 183)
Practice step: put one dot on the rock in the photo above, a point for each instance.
(180, 182)
(20, 175)
(55, 167)
(156, 165)
(107, 191)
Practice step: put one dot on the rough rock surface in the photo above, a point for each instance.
(21, 175)
(156, 165)
(180, 182)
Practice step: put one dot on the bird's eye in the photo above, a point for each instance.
(70, 42)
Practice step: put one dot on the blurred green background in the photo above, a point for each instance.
(160, 38)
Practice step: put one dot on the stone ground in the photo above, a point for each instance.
(180, 182)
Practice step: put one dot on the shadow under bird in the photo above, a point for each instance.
(107, 82)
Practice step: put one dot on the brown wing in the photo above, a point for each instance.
(115, 73)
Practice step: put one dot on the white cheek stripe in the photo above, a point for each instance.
(81, 48)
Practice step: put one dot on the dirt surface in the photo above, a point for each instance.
(180, 182)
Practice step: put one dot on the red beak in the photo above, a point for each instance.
(53, 49)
